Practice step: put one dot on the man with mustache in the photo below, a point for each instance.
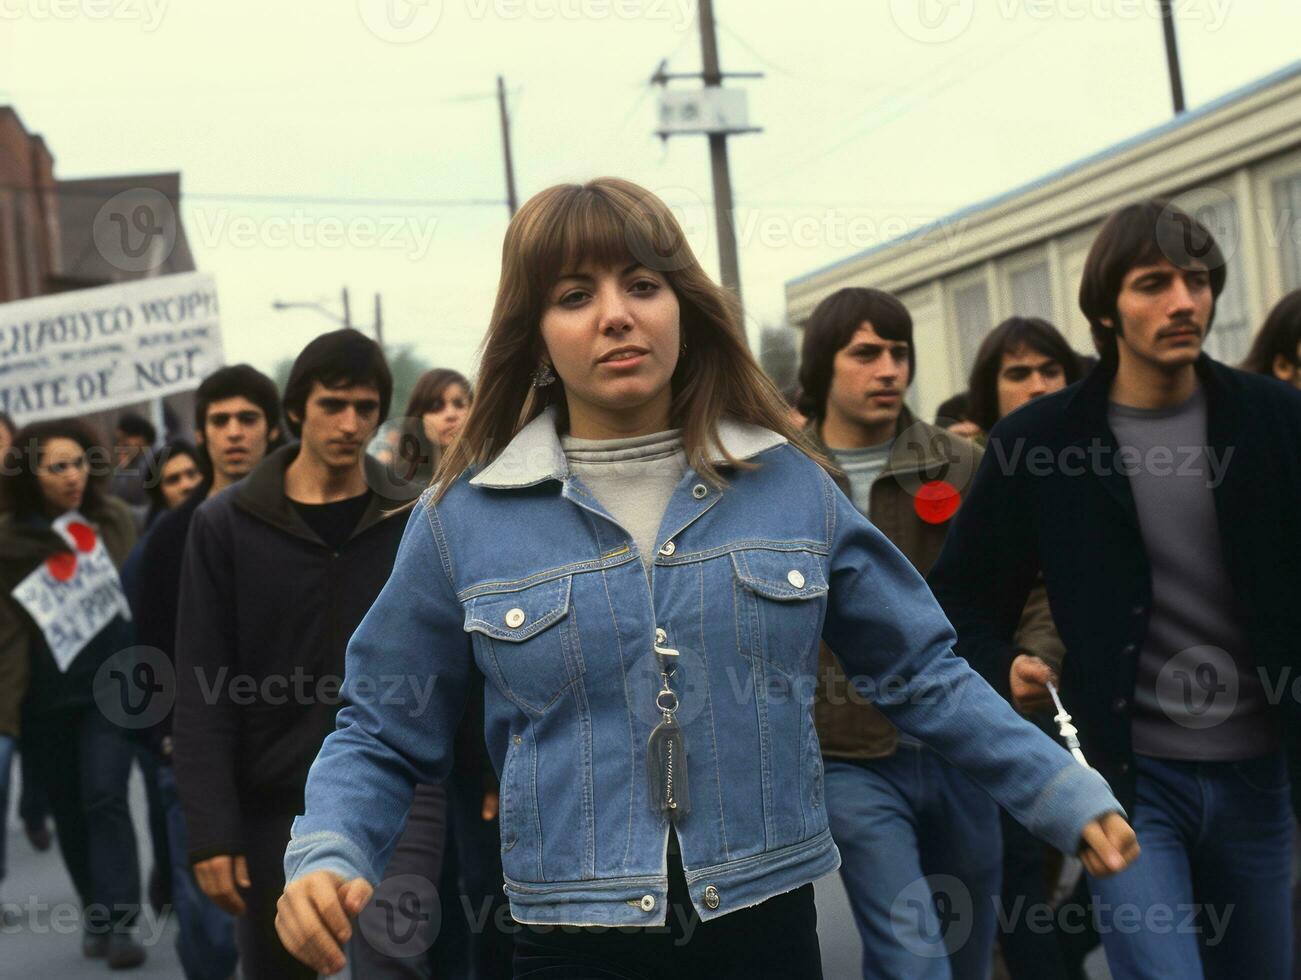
(1158, 498)
(907, 823)
(279, 570)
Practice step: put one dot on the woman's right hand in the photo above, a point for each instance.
(312, 917)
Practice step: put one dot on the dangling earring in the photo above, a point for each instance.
(543, 375)
(682, 350)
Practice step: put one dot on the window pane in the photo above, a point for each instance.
(1287, 202)
(1231, 335)
(1032, 291)
(971, 310)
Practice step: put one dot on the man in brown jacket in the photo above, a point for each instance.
(919, 842)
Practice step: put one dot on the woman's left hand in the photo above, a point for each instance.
(1108, 846)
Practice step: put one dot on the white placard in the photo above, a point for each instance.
(71, 597)
(92, 349)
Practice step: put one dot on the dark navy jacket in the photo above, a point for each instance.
(1048, 496)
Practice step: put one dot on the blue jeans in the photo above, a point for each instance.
(205, 941)
(83, 762)
(1210, 896)
(7, 745)
(921, 859)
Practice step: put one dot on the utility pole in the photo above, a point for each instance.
(718, 113)
(379, 322)
(511, 200)
(347, 309)
(727, 260)
(1171, 56)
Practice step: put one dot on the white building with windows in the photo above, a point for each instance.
(1235, 163)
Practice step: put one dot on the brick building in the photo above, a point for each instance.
(30, 243)
(52, 239)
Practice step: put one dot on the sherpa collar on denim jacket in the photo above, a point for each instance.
(535, 454)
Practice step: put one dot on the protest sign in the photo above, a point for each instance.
(72, 595)
(84, 351)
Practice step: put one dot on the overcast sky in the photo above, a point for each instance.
(357, 142)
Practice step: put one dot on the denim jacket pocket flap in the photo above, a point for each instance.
(782, 575)
(520, 614)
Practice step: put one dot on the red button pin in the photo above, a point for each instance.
(935, 502)
(83, 534)
(62, 566)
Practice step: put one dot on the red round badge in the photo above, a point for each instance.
(83, 534)
(935, 502)
(62, 566)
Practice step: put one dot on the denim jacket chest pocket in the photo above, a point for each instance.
(781, 598)
(527, 640)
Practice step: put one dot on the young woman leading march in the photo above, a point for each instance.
(639, 552)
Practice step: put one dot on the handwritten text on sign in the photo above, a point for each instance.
(92, 349)
(72, 596)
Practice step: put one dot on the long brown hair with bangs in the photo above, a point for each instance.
(609, 221)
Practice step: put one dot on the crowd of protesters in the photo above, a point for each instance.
(513, 685)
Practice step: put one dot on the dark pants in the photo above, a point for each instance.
(205, 934)
(33, 801)
(1031, 949)
(476, 940)
(84, 762)
(149, 766)
(261, 954)
(396, 930)
(776, 939)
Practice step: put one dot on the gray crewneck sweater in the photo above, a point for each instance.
(631, 478)
(1197, 695)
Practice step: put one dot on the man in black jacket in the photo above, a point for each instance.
(279, 571)
(1159, 498)
(236, 420)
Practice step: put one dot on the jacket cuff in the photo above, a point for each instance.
(1073, 798)
(325, 850)
(203, 852)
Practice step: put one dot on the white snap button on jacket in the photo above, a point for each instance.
(647, 903)
(699, 491)
(515, 618)
(669, 548)
(660, 636)
(795, 578)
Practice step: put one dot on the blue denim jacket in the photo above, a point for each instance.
(521, 572)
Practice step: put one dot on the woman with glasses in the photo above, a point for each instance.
(55, 636)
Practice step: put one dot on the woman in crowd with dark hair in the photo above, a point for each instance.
(174, 473)
(1276, 350)
(635, 547)
(1019, 360)
(438, 405)
(57, 469)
